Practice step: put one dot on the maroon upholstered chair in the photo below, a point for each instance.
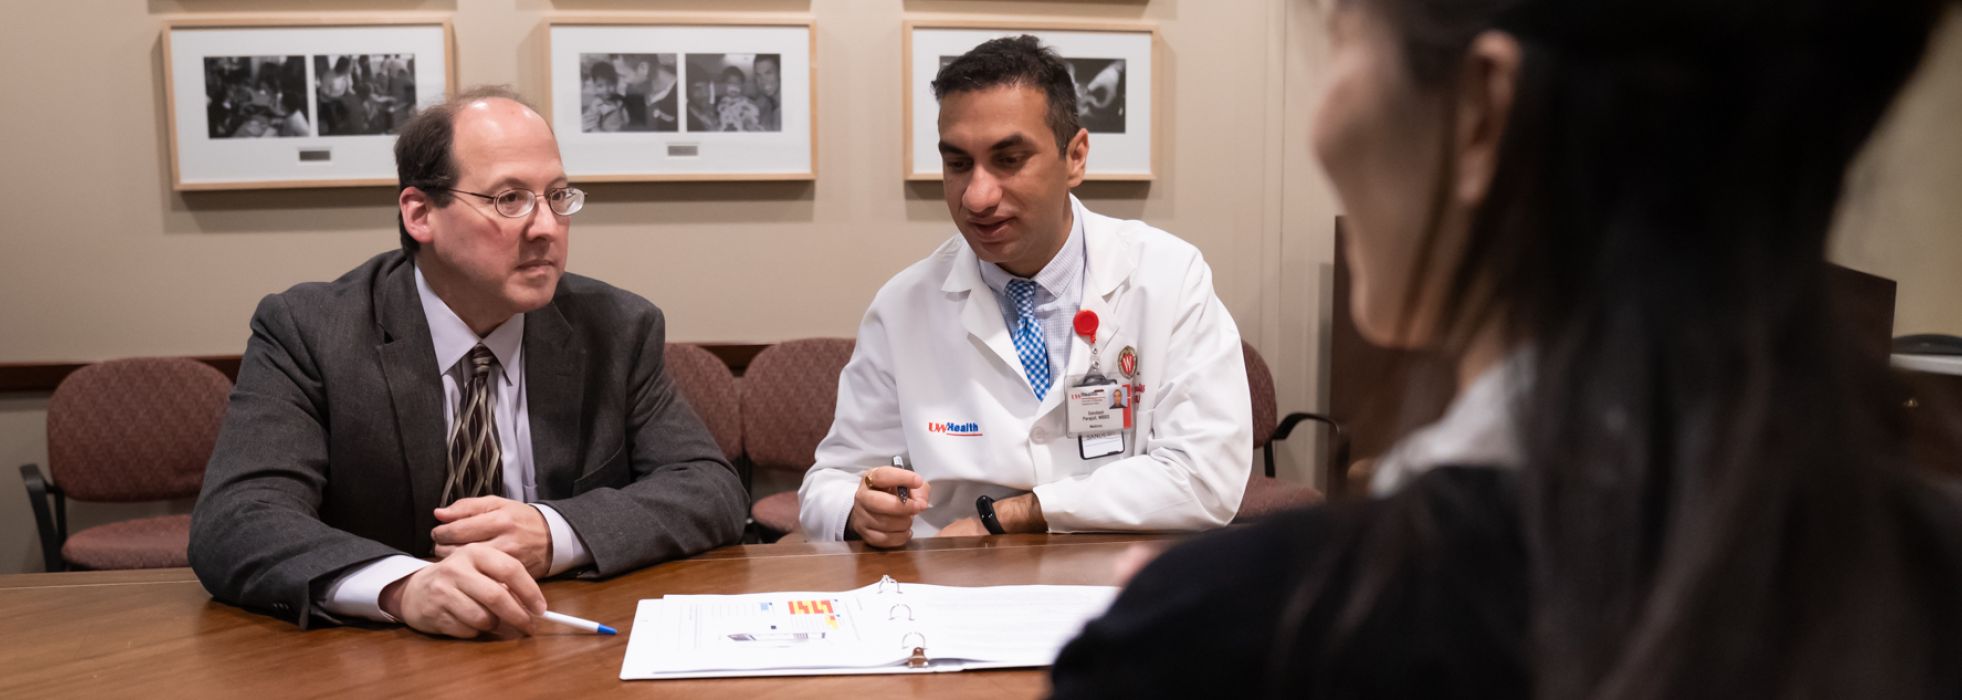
(709, 386)
(1265, 493)
(125, 431)
(789, 394)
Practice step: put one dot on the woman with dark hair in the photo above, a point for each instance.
(1670, 471)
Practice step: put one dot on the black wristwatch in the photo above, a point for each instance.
(985, 506)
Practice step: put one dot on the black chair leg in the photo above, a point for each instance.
(52, 526)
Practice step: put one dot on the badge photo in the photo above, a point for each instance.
(1095, 408)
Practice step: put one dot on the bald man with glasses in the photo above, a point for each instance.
(423, 438)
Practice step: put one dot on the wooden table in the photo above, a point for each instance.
(158, 634)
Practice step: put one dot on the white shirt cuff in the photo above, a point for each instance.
(568, 552)
(358, 594)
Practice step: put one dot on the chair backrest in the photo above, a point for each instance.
(709, 386)
(137, 429)
(789, 394)
(1260, 385)
(1865, 302)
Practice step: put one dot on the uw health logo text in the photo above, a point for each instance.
(955, 429)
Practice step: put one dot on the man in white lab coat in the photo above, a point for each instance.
(992, 366)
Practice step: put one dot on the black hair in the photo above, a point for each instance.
(1715, 494)
(602, 71)
(1020, 61)
(423, 150)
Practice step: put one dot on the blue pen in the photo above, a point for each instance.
(570, 621)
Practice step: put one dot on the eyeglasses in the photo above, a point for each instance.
(518, 203)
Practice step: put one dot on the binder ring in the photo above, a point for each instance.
(892, 613)
(918, 659)
(883, 580)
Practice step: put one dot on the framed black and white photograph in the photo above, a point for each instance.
(364, 95)
(629, 92)
(261, 104)
(1111, 64)
(638, 100)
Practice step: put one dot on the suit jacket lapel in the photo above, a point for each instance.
(415, 390)
(554, 361)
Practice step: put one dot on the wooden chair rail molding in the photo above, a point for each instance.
(42, 377)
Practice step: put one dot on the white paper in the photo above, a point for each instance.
(859, 631)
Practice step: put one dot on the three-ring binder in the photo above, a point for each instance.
(918, 659)
(925, 628)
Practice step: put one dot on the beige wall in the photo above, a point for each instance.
(1902, 216)
(107, 261)
(103, 260)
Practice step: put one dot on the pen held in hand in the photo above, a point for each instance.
(570, 621)
(905, 494)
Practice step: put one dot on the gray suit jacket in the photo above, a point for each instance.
(332, 453)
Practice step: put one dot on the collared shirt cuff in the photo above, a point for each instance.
(568, 552)
(358, 594)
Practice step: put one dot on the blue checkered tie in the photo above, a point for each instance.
(1029, 343)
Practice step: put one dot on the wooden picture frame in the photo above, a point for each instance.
(298, 102)
(667, 98)
(1129, 49)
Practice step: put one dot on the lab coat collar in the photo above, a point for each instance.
(1109, 260)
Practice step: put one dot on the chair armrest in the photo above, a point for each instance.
(1339, 436)
(1288, 422)
(53, 527)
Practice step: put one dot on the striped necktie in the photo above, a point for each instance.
(1029, 343)
(475, 456)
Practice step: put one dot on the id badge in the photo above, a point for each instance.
(1093, 446)
(1096, 406)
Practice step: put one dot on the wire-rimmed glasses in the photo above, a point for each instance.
(518, 203)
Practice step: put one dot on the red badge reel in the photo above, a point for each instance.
(1086, 326)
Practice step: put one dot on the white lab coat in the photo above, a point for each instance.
(933, 351)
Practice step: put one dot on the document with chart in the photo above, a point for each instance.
(887, 627)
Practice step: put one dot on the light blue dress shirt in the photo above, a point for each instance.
(1059, 293)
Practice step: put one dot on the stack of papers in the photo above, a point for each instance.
(887, 627)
